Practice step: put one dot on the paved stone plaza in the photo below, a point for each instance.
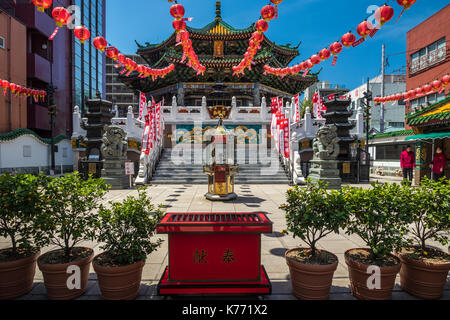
(252, 198)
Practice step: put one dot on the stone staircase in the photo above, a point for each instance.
(187, 172)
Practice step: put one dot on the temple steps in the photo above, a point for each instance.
(168, 172)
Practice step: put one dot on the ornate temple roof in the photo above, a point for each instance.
(234, 44)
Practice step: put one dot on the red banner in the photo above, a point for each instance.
(142, 103)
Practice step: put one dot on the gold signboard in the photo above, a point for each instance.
(92, 168)
(346, 168)
(218, 48)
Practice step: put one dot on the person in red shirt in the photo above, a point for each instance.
(438, 166)
(408, 163)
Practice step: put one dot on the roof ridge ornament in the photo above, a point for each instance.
(218, 10)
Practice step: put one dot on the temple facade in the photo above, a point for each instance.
(219, 46)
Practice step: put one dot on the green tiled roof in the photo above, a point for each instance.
(418, 118)
(20, 132)
(399, 133)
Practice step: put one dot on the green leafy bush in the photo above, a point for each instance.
(313, 212)
(379, 216)
(431, 212)
(70, 210)
(127, 227)
(20, 205)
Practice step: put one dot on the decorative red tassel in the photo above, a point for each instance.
(54, 34)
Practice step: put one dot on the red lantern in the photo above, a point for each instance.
(364, 28)
(261, 26)
(436, 85)
(268, 12)
(336, 48)
(348, 39)
(82, 33)
(405, 95)
(412, 94)
(384, 14)
(315, 59)
(276, 2)
(5, 86)
(42, 4)
(177, 11)
(184, 36)
(13, 87)
(398, 96)
(179, 25)
(61, 16)
(122, 59)
(427, 88)
(324, 54)
(112, 53)
(258, 37)
(308, 64)
(100, 43)
(445, 80)
(419, 91)
(406, 4)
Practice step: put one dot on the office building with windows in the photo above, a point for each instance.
(117, 92)
(394, 112)
(89, 64)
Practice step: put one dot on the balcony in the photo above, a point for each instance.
(428, 60)
(38, 67)
(27, 13)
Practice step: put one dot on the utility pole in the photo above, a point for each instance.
(367, 115)
(52, 111)
(383, 70)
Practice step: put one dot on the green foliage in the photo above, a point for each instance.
(20, 205)
(379, 216)
(70, 216)
(431, 213)
(312, 213)
(126, 229)
(305, 104)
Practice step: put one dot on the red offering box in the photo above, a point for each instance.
(215, 250)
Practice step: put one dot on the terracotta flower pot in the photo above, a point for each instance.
(16, 277)
(358, 279)
(311, 282)
(119, 283)
(56, 276)
(423, 279)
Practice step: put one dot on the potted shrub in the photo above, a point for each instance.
(424, 270)
(312, 213)
(20, 204)
(69, 219)
(125, 230)
(379, 216)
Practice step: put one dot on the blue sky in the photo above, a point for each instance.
(315, 23)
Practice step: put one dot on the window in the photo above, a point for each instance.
(27, 151)
(428, 56)
(2, 43)
(64, 152)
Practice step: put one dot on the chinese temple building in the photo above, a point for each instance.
(219, 47)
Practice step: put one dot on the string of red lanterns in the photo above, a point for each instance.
(268, 13)
(437, 86)
(62, 16)
(22, 91)
(183, 38)
(382, 15)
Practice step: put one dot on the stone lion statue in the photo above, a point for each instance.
(114, 143)
(326, 143)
